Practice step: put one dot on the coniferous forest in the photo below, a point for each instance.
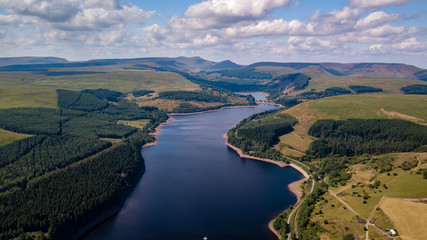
(358, 136)
(257, 134)
(66, 175)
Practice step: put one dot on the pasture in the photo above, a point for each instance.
(407, 218)
(26, 89)
(407, 107)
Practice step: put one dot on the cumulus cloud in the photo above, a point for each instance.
(375, 19)
(6, 20)
(310, 44)
(220, 13)
(275, 28)
(76, 14)
(245, 28)
(98, 18)
(55, 10)
(411, 44)
(376, 3)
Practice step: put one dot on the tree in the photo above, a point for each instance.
(425, 174)
(349, 236)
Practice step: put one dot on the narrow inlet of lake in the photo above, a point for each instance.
(195, 186)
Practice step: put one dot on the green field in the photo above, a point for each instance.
(340, 220)
(23, 89)
(389, 85)
(409, 186)
(7, 137)
(356, 202)
(120, 81)
(407, 107)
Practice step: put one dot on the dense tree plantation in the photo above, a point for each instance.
(31, 120)
(80, 101)
(54, 153)
(364, 89)
(57, 206)
(13, 151)
(104, 94)
(415, 89)
(93, 126)
(140, 93)
(257, 134)
(358, 136)
(56, 182)
(329, 92)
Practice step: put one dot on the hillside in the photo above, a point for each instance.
(227, 64)
(30, 60)
(407, 107)
(367, 160)
(390, 70)
(59, 115)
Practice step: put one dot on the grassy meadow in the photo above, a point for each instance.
(7, 137)
(23, 89)
(27, 89)
(389, 85)
(407, 218)
(339, 220)
(394, 211)
(407, 107)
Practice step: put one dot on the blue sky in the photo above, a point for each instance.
(244, 31)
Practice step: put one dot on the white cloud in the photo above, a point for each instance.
(347, 15)
(98, 18)
(6, 20)
(54, 10)
(76, 14)
(277, 27)
(310, 44)
(376, 49)
(208, 40)
(243, 30)
(411, 44)
(376, 3)
(385, 31)
(221, 13)
(375, 19)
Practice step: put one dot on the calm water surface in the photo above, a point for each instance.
(195, 186)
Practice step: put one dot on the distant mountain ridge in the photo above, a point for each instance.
(30, 60)
(198, 64)
(394, 70)
(225, 65)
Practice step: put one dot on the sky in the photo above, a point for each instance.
(244, 31)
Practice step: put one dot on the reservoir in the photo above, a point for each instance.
(195, 186)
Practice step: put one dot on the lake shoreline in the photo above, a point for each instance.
(294, 187)
(116, 209)
(82, 232)
(211, 110)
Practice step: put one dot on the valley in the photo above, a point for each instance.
(72, 132)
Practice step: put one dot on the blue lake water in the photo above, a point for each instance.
(195, 186)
